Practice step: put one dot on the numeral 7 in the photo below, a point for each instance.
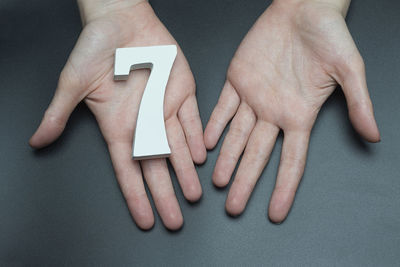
(150, 138)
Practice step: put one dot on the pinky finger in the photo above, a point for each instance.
(225, 109)
(190, 120)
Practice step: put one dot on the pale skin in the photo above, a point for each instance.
(88, 76)
(283, 71)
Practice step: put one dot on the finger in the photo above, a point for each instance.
(291, 168)
(182, 162)
(130, 180)
(68, 94)
(353, 81)
(225, 109)
(234, 143)
(255, 157)
(190, 120)
(157, 177)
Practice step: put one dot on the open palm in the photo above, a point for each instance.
(88, 76)
(284, 70)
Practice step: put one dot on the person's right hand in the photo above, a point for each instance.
(88, 75)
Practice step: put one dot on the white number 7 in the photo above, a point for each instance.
(150, 139)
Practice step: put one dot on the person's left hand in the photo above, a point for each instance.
(284, 70)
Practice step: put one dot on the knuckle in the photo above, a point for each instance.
(236, 75)
(134, 198)
(178, 148)
(190, 119)
(357, 64)
(237, 131)
(228, 157)
(70, 77)
(285, 190)
(54, 119)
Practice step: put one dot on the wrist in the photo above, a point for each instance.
(93, 9)
(340, 5)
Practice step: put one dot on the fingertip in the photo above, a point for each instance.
(46, 134)
(210, 138)
(199, 153)
(219, 183)
(36, 140)
(200, 159)
(146, 223)
(32, 142)
(373, 138)
(234, 206)
(279, 206)
(141, 212)
(232, 211)
(276, 216)
(276, 220)
(222, 171)
(193, 193)
(173, 221)
(364, 123)
(143, 216)
(219, 179)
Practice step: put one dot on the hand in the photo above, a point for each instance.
(88, 75)
(284, 70)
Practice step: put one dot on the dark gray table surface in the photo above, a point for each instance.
(62, 205)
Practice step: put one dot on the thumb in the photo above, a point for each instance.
(68, 94)
(353, 82)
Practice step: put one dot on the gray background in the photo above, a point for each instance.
(62, 205)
